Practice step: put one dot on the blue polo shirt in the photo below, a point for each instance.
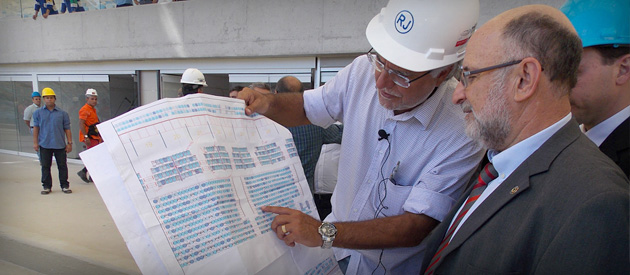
(44, 5)
(52, 126)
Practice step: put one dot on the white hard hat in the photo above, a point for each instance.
(91, 92)
(193, 76)
(421, 35)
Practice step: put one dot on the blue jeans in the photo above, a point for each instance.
(45, 160)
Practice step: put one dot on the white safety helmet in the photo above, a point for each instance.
(422, 35)
(91, 92)
(193, 76)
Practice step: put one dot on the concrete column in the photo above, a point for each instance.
(149, 85)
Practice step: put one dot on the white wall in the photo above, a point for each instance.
(202, 29)
(191, 29)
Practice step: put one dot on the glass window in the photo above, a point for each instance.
(116, 95)
(15, 96)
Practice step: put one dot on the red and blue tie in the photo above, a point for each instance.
(487, 175)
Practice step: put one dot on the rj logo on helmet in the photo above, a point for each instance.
(404, 22)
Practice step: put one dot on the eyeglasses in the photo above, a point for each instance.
(397, 77)
(465, 74)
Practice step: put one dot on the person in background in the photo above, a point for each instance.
(47, 8)
(28, 111)
(261, 87)
(50, 125)
(192, 81)
(234, 91)
(71, 6)
(405, 157)
(601, 99)
(88, 133)
(144, 2)
(308, 141)
(124, 3)
(549, 202)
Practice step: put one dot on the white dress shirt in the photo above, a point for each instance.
(601, 131)
(507, 161)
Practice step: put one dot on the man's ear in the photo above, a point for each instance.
(444, 73)
(528, 73)
(623, 70)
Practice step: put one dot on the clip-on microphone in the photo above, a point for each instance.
(382, 135)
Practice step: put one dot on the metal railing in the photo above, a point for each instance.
(26, 8)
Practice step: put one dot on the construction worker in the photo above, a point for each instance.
(28, 111)
(405, 157)
(50, 125)
(192, 81)
(601, 99)
(88, 133)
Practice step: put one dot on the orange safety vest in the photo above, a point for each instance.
(88, 113)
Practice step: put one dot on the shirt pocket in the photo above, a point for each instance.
(56, 120)
(390, 199)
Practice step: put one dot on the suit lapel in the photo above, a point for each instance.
(516, 183)
(617, 141)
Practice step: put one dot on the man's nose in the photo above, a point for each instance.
(458, 95)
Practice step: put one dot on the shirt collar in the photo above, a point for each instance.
(54, 109)
(601, 131)
(508, 160)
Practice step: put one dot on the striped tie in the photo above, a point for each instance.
(487, 175)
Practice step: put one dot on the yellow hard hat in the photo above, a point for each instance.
(48, 92)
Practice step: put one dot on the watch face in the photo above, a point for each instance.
(328, 229)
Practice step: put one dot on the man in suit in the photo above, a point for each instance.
(601, 98)
(556, 205)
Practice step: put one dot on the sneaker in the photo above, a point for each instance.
(45, 192)
(83, 176)
(66, 190)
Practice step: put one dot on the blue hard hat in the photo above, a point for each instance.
(600, 22)
(35, 93)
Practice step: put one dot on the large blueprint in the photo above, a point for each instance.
(195, 172)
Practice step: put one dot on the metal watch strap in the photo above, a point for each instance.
(328, 231)
(327, 242)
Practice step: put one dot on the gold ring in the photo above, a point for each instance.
(284, 229)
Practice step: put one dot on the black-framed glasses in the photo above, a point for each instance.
(465, 74)
(397, 77)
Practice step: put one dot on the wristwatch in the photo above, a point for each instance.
(69, 142)
(328, 232)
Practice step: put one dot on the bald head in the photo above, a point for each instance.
(521, 66)
(537, 31)
(289, 84)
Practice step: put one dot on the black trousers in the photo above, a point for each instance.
(324, 207)
(45, 160)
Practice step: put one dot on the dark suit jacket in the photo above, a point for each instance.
(564, 210)
(617, 146)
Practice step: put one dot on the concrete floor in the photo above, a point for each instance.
(56, 233)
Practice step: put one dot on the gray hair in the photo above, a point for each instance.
(260, 85)
(558, 50)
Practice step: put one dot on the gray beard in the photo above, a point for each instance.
(491, 126)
